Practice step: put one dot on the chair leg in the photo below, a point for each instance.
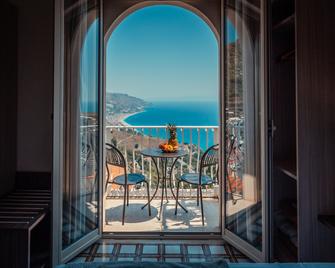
(106, 220)
(166, 193)
(106, 185)
(198, 196)
(127, 189)
(92, 189)
(94, 186)
(148, 193)
(105, 210)
(175, 211)
(162, 199)
(202, 206)
(124, 204)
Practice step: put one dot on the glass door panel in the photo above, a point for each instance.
(243, 123)
(82, 124)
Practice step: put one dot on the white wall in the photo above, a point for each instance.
(35, 85)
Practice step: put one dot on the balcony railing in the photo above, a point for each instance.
(132, 139)
(195, 139)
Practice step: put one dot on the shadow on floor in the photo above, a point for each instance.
(138, 220)
(131, 216)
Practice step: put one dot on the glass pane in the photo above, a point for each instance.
(81, 132)
(242, 119)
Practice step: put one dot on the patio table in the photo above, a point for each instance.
(157, 154)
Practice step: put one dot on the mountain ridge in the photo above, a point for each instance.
(121, 103)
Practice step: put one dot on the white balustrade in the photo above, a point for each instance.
(128, 137)
(195, 139)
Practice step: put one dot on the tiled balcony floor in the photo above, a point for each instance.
(138, 220)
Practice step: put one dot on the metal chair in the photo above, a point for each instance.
(89, 159)
(233, 162)
(115, 157)
(209, 158)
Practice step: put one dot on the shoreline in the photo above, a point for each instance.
(120, 119)
(124, 118)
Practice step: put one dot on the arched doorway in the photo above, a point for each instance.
(171, 68)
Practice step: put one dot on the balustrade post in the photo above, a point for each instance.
(182, 159)
(198, 156)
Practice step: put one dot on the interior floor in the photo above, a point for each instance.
(159, 251)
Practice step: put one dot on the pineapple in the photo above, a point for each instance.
(173, 141)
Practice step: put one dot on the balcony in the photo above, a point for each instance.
(130, 140)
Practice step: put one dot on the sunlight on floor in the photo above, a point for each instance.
(137, 219)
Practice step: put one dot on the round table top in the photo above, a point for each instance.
(156, 152)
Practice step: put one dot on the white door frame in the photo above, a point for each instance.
(57, 132)
(230, 237)
(58, 142)
(58, 254)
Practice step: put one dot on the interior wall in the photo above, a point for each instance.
(315, 26)
(8, 95)
(35, 85)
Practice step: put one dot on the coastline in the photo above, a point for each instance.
(120, 119)
(125, 116)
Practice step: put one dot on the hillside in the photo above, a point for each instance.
(119, 103)
(234, 83)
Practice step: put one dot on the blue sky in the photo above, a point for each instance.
(157, 53)
(163, 53)
(89, 70)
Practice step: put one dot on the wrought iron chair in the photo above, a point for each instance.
(115, 157)
(89, 159)
(209, 158)
(233, 166)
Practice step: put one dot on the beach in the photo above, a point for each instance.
(119, 119)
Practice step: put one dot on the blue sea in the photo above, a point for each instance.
(180, 114)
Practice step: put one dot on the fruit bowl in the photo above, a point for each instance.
(167, 148)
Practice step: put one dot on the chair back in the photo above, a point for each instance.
(209, 158)
(115, 158)
(89, 157)
(85, 153)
